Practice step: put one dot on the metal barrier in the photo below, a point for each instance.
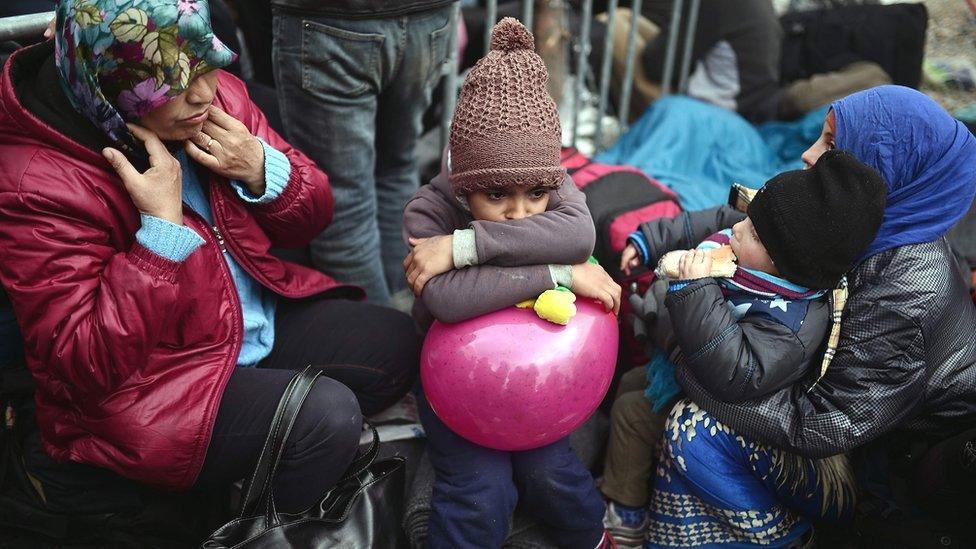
(21, 27)
(32, 26)
(582, 49)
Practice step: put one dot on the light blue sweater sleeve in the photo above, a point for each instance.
(277, 170)
(169, 240)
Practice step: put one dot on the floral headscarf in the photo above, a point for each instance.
(120, 59)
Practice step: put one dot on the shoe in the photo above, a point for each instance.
(607, 542)
(626, 525)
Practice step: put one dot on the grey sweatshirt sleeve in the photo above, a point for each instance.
(465, 293)
(563, 234)
(429, 214)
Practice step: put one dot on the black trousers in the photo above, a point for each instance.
(369, 356)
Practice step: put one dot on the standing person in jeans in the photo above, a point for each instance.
(354, 78)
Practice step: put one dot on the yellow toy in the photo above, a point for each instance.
(556, 306)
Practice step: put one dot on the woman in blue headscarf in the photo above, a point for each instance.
(904, 374)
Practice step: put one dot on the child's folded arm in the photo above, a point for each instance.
(461, 294)
(737, 361)
(563, 234)
(684, 231)
(427, 215)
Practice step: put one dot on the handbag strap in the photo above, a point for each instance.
(366, 459)
(257, 489)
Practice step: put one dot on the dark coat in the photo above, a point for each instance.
(906, 359)
(735, 360)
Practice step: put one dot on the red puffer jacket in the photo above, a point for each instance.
(130, 351)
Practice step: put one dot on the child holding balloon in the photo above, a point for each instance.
(501, 224)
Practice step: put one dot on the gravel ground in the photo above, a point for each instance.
(951, 34)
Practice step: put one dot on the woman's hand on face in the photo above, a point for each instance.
(159, 190)
(226, 147)
(428, 258)
(695, 264)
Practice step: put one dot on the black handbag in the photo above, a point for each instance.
(362, 510)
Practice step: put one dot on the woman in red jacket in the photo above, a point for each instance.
(140, 193)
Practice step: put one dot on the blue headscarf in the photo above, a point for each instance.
(927, 158)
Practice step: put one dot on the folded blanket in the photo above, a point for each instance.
(699, 150)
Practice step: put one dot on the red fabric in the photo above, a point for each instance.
(627, 223)
(594, 171)
(585, 171)
(131, 351)
(572, 159)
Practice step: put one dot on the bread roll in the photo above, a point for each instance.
(723, 263)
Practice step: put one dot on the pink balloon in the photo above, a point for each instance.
(509, 380)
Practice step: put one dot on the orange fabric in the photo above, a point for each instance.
(972, 287)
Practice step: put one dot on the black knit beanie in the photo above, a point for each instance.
(815, 223)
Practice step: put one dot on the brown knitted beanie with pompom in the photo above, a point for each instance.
(506, 127)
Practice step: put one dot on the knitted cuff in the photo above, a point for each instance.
(562, 275)
(463, 248)
(153, 263)
(640, 243)
(277, 171)
(169, 240)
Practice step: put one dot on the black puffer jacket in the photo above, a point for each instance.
(906, 360)
(744, 359)
(734, 360)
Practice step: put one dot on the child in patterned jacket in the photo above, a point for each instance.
(746, 310)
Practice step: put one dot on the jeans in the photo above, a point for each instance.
(476, 489)
(352, 94)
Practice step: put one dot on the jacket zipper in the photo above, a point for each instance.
(235, 301)
(220, 238)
